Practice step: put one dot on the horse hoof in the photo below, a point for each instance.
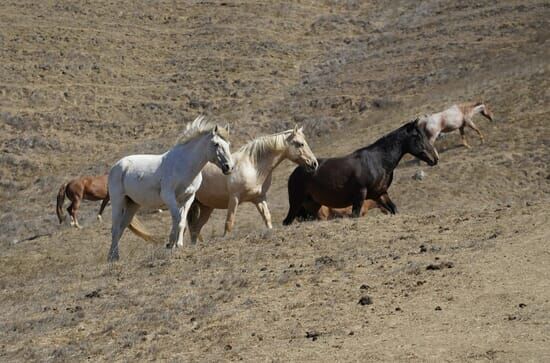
(99, 218)
(113, 257)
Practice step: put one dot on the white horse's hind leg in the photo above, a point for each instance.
(122, 216)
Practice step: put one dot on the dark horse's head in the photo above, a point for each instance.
(417, 143)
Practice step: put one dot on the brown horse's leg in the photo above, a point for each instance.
(463, 137)
(368, 204)
(324, 213)
(103, 205)
(74, 208)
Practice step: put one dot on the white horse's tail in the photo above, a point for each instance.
(139, 230)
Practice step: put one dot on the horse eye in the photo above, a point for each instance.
(216, 144)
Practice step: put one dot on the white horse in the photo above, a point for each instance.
(170, 180)
(250, 179)
(455, 117)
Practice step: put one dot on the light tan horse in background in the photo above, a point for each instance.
(250, 179)
(459, 117)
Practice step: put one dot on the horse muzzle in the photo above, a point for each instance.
(312, 165)
(433, 160)
(226, 169)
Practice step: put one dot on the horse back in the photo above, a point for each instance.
(95, 187)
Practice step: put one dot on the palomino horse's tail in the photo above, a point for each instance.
(139, 230)
(60, 201)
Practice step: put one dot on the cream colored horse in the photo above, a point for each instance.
(250, 179)
(456, 117)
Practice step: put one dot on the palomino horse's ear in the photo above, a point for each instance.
(227, 127)
(215, 130)
(301, 129)
(296, 129)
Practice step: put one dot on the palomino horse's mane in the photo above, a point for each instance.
(256, 148)
(199, 127)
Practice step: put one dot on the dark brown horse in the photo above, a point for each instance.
(90, 188)
(366, 173)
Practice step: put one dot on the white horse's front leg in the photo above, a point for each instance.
(171, 202)
(184, 210)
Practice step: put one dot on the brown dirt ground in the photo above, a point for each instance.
(461, 274)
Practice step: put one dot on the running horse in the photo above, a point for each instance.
(85, 188)
(366, 173)
(459, 117)
(250, 179)
(170, 179)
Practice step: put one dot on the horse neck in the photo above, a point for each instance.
(197, 148)
(269, 158)
(391, 148)
(477, 109)
(470, 109)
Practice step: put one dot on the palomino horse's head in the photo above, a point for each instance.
(218, 150)
(418, 144)
(298, 150)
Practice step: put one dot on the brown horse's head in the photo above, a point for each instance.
(298, 150)
(418, 144)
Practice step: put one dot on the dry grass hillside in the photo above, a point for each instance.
(461, 274)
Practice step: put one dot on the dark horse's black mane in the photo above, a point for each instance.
(389, 139)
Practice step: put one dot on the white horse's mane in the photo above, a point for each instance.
(256, 148)
(198, 127)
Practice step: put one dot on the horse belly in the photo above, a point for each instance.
(142, 191)
(213, 191)
(330, 198)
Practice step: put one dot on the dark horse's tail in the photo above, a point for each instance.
(192, 217)
(193, 214)
(60, 201)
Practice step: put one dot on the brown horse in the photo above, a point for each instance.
(366, 173)
(88, 187)
(326, 213)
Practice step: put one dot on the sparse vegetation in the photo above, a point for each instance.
(461, 273)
